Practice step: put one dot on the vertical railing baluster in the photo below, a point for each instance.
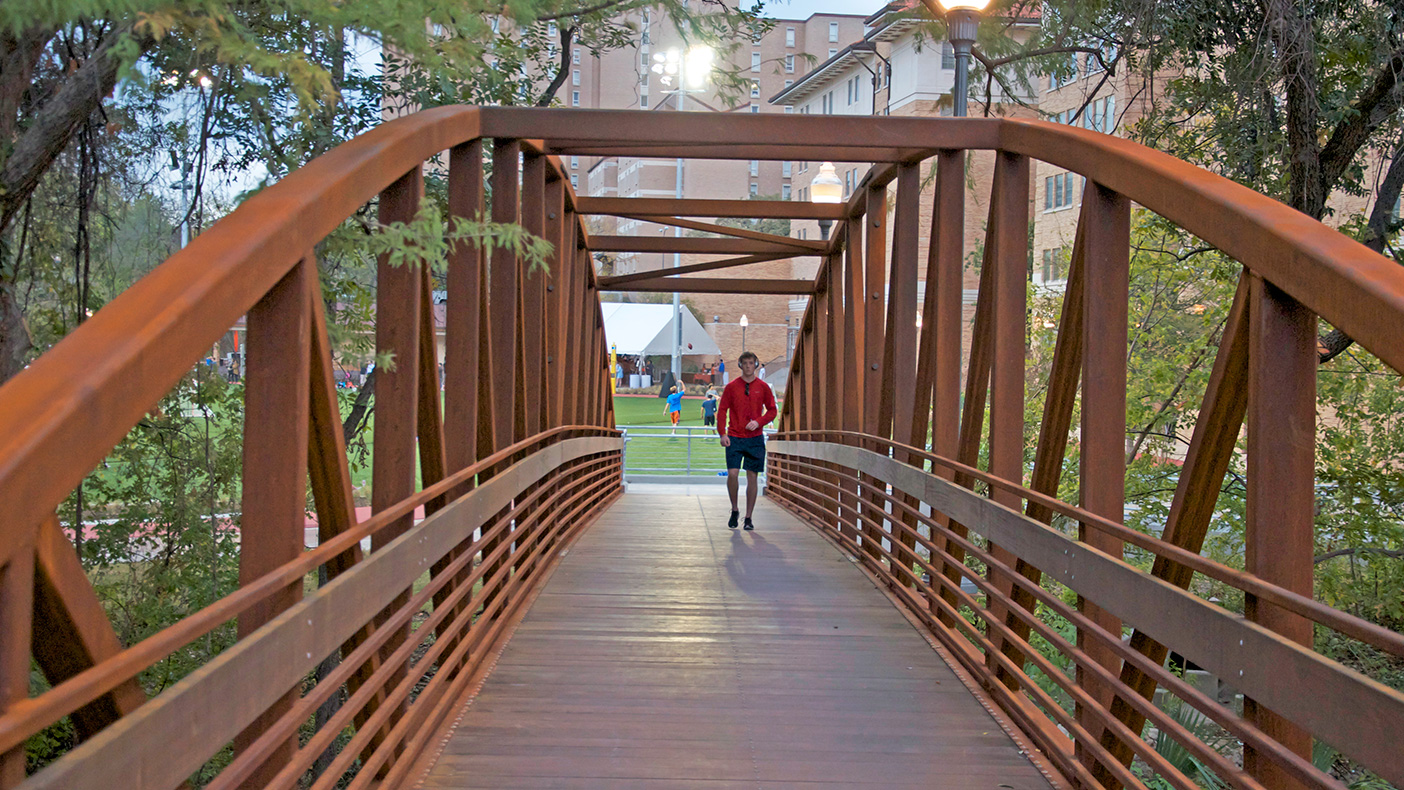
(432, 463)
(503, 298)
(534, 294)
(533, 337)
(464, 345)
(833, 379)
(853, 345)
(1006, 445)
(276, 420)
(16, 611)
(557, 231)
(977, 389)
(397, 333)
(900, 350)
(462, 316)
(1282, 365)
(874, 289)
(1104, 284)
(938, 364)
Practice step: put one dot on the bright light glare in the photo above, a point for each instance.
(976, 5)
(744, 322)
(699, 66)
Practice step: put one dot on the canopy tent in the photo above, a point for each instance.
(647, 329)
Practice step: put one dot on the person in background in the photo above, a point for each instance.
(761, 373)
(709, 408)
(674, 406)
(747, 404)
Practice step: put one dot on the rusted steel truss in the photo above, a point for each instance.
(880, 450)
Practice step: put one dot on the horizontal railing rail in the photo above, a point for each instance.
(1329, 699)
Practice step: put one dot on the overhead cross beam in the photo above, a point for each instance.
(716, 285)
(608, 283)
(692, 207)
(732, 246)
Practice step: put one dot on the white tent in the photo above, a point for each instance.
(636, 329)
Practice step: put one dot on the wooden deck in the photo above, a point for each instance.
(669, 651)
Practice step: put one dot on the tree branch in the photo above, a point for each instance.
(56, 122)
(1354, 550)
(567, 35)
(582, 11)
(1330, 346)
(1377, 104)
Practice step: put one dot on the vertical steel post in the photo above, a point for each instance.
(276, 420)
(1281, 478)
(1104, 284)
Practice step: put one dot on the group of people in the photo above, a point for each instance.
(740, 415)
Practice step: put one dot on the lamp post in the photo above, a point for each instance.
(744, 324)
(962, 21)
(692, 70)
(826, 188)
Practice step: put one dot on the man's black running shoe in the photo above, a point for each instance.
(735, 514)
(749, 525)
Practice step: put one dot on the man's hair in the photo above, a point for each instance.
(751, 355)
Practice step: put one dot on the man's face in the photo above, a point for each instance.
(748, 366)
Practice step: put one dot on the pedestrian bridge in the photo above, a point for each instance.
(916, 607)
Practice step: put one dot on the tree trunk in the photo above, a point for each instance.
(15, 341)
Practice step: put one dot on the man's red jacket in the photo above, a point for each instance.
(742, 402)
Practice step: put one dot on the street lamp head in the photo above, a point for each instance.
(697, 69)
(826, 187)
(744, 322)
(973, 5)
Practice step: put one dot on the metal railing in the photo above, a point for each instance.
(683, 451)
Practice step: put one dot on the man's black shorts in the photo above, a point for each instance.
(746, 452)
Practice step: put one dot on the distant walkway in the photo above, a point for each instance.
(668, 651)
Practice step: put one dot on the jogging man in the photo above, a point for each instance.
(747, 405)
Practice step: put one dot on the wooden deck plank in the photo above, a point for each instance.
(669, 651)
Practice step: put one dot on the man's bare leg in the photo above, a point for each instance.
(733, 483)
(752, 488)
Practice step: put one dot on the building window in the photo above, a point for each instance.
(575, 77)
(755, 61)
(1055, 81)
(785, 191)
(947, 56)
(833, 31)
(755, 189)
(574, 180)
(755, 108)
(789, 109)
(789, 64)
(832, 52)
(789, 37)
(755, 90)
(575, 55)
(575, 98)
(803, 234)
(755, 167)
(788, 83)
(643, 100)
(1054, 268)
(1058, 192)
(574, 162)
(785, 168)
(551, 29)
